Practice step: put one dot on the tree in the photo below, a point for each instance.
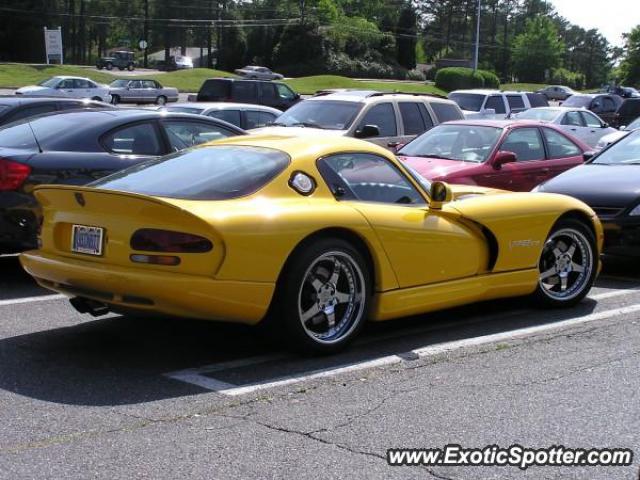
(406, 31)
(537, 50)
(630, 65)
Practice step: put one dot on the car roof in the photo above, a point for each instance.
(224, 106)
(480, 91)
(497, 123)
(63, 77)
(375, 96)
(231, 79)
(12, 100)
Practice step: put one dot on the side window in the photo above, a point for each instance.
(31, 111)
(411, 118)
(446, 112)
(560, 146)
(426, 117)
(525, 143)
(80, 83)
(73, 105)
(90, 84)
(497, 103)
(591, 120)
(244, 92)
(285, 92)
(66, 83)
(573, 119)
(256, 119)
(183, 134)
(140, 139)
(148, 84)
(268, 91)
(608, 105)
(135, 84)
(384, 117)
(214, 89)
(231, 116)
(367, 178)
(515, 102)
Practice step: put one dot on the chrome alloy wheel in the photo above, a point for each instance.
(566, 264)
(331, 299)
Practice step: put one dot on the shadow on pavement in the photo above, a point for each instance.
(15, 282)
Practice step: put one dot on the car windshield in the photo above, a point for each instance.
(469, 143)
(541, 114)
(49, 82)
(577, 101)
(206, 173)
(196, 110)
(624, 152)
(327, 114)
(119, 83)
(468, 101)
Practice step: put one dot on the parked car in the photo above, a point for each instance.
(495, 104)
(627, 112)
(504, 154)
(258, 73)
(610, 184)
(121, 59)
(260, 92)
(141, 91)
(618, 134)
(243, 115)
(309, 232)
(577, 122)
(73, 87)
(556, 92)
(14, 108)
(175, 62)
(388, 119)
(78, 147)
(603, 105)
(624, 92)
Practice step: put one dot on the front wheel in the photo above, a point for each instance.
(161, 100)
(568, 265)
(323, 297)
(130, 67)
(109, 66)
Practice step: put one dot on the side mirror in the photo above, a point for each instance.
(502, 157)
(588, 155)
(367, 131)
(395, 146)
(439, 194)
(605, 125)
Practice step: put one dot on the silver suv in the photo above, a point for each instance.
(495, 104)
(387, 119)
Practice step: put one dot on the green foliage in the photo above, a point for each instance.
(416, 75)
(406, 29)
(630, 65)
(421, 56)
(490, 79)
(455, 78)
(309, 85)
(562, 76)
(537, 50)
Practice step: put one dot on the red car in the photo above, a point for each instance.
(505, 154)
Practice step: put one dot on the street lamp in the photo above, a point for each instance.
(477, 48)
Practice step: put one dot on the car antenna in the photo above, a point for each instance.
(34, 137)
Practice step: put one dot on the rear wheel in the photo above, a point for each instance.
(568, 265)
(130, 67)
(323, 297)
(109, 66)
(161, 100)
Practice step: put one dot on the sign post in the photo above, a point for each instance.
(53, 45)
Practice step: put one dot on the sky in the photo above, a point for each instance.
(611, 17)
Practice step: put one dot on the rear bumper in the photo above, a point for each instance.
(622, 236)
(152, 291)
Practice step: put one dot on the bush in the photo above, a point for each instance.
(455, 78)
(562, 76)
(416, 75)
(491, 80)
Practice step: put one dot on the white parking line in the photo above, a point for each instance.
(197, 376)
(41, 298)
(613, 293)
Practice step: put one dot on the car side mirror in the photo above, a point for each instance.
(395, 146)
(367, 131)
(440, 193)
(588, 155)
(605, 125)
(502, 157)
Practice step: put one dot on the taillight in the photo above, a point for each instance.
(12, 174)
(154, 240)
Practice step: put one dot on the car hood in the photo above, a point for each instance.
(433, 168)
(461, 192)
(598, 185)
(612, 137)
(32, 89)
(299, 131)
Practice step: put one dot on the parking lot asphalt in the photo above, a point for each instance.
(120, 397)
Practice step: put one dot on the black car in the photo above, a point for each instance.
(603, 105)
(14, 108)
(78, 147)
(259, 92)
(627, 112)
(610, 184)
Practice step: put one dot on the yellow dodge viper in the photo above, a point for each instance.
(315, 235)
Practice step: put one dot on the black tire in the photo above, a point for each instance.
(326, 295)
(130, 67)
(161, 100)
(109, 66)
(571, 246)
(115, 99)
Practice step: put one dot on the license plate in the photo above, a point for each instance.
(88, 240)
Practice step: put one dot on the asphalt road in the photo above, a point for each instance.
(123, 398)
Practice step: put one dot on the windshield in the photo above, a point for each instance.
(195, 110)
(624, 152)
(327, 114)
(468, 101)
(49, 82)
(119, 83)
(469, 143)
(205, 173)
(541, 114)
(577, 101)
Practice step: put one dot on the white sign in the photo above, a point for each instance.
(142, 44)
(53, 44)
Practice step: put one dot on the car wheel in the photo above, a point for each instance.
(161, 100)
(568, 265)
(115, 99)
(323, 297)
(109, 66)
(130, 67)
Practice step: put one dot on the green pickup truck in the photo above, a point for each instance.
(120, 59)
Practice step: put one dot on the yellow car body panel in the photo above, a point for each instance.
(422, 258)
